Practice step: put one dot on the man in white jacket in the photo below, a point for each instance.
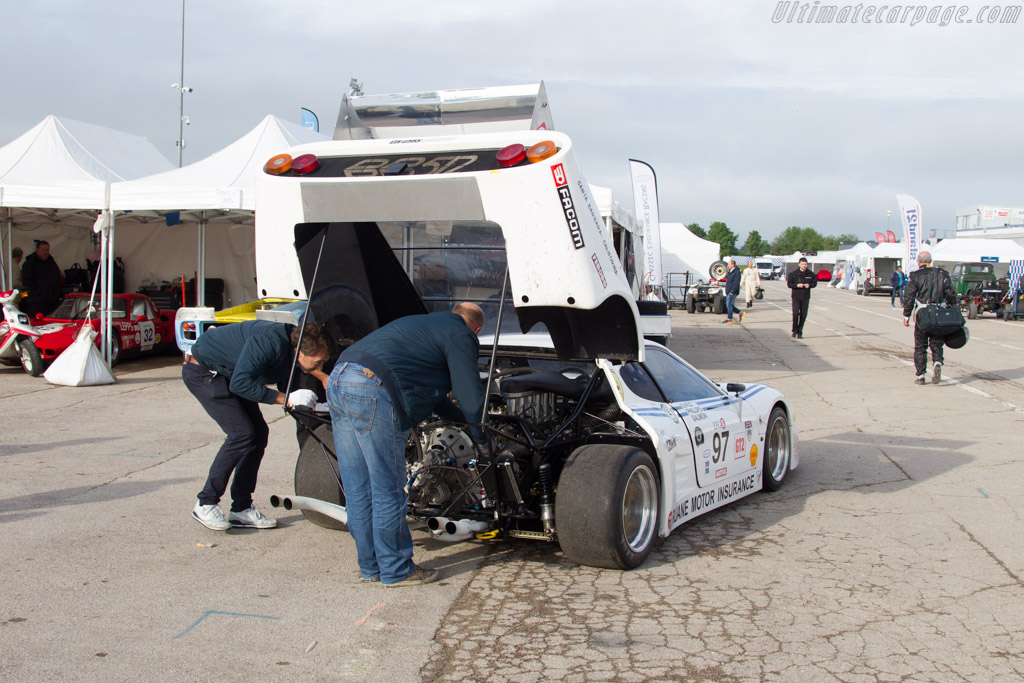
(749, 283)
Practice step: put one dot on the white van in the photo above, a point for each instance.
(765, 269)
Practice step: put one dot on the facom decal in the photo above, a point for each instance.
(565, 197)
(753, 454)
(698, 436)
(721, 473)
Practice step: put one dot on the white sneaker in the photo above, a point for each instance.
(251, 519)
(210, 516)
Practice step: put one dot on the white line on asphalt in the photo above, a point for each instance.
(880, 315)
(1007, 346)
(966, 387)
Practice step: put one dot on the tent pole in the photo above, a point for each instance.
(201, 272)
(108, 327)
(102, 275)
(6, 262)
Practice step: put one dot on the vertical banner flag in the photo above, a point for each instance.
(890, 237)
(910, 214)
(309, 120)
(880, 238)
(645, 203)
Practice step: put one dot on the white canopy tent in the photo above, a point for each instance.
(962, 250)
(218, 189)
(57, 176)
(682, 251)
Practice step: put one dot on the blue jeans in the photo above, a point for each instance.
(730, 305)
(371, 460)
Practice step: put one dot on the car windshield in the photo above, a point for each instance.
(77, 308)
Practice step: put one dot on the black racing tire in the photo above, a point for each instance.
(718, 269)
(606, 508)
(691, 305)
(315, 477)
(777, 449)
(115, 348)
(31, 359)
(972, 310)
(718, 307)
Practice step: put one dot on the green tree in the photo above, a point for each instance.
(726, 238)
(755, 246)
(697, 230)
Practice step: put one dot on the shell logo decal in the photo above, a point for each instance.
(753, 455)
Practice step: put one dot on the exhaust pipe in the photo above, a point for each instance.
(312, 504)
(451, 531)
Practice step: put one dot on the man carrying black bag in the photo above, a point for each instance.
(927, 285)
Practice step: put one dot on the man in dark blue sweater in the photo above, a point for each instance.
(228, 371)
(732, 290)
(383, 385)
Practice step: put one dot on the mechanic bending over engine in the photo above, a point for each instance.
(227, 372)
(381, 387)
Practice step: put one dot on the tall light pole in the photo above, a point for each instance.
(888, 214)
(182, 89)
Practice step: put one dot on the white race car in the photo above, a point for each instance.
(598, 440)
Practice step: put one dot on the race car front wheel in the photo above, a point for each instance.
(606, 508)
(777, 444)
(31, 359)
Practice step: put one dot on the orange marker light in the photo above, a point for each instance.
(541, 151)
(282, 163)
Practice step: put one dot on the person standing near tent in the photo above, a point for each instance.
(42, 279)
(801, 281)
(228, 371)
(749, 283)
(16, 255)
(898, 282)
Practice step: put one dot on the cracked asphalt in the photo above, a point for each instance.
(892, 553)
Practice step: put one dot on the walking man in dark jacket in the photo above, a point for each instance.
(42, 279)
(383, 385)
(228, 371)
(732, 290)
(927, 285)
(801, 281)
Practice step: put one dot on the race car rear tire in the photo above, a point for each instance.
(31, 359)
(606, 509)
(719, 304)
(316, 477)
(777, 445)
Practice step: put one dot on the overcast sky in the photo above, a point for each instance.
(759, 123)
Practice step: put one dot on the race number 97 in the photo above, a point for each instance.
(719, 442)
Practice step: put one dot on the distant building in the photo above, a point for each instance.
(990, 221)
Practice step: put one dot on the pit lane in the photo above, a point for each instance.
(891, 552)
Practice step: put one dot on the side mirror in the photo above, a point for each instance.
(139, 318)
(735, 388)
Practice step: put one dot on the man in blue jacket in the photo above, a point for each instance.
(382, 386)
(732, 290)
(228, 371)
(898, 282)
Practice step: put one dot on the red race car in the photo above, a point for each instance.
(140, 326)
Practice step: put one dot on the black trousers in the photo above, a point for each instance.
(800, 306)
(922, 342)
(247, 435)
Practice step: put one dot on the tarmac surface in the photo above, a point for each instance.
(892, 553)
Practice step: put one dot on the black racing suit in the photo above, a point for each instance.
(925, 286)
(801, 296)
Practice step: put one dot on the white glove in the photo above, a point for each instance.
(302, 397)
